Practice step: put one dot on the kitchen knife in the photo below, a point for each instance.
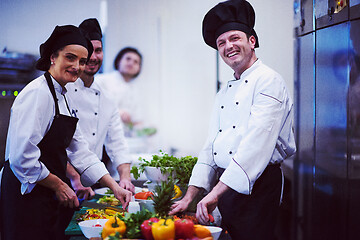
(92, 204)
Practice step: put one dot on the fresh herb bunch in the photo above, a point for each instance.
(181, 168)
(133, 222)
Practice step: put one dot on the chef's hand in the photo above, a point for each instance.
(182, 205)
(82, 192)
(126, 184)
(85, 193)
(204, 207)
(64, 194)
(67, 197)
(125, 177)
(179, 206)
(123, 195)
(209, 202)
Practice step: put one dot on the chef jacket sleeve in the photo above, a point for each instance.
(267, 115)
(115, 143)
(31, 116)
(204, 173)
(90, 168)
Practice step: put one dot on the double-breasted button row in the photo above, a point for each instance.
(220, 130)
(230, 152)
(222, 107)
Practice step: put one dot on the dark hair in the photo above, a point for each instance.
(122, 53)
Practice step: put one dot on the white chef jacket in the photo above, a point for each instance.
(251, 127)
(99, 121)
(123, 93)
(32, 114)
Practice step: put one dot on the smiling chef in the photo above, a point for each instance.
(250, 132)
(36, 200)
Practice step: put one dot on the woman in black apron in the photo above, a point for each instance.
(36, 199)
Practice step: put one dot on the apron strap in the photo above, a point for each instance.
(52, 90)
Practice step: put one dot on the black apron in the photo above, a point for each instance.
(253, 216)
(38, 214)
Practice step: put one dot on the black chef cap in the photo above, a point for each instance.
(59, 38)
(92, 27)
(226, 16)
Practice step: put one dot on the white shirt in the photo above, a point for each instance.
(123, 93)
(251, 126)
(32, 114)
(99, 121)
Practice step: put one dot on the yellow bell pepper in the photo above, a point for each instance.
(113, 225)
(164, 229)
(178, 192)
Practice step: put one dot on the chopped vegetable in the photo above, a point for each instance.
(110, 199)
(93, 213)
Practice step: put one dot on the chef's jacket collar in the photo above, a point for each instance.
(57, 86)
(250, 69)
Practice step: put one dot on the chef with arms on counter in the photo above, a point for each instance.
(37, 201)
(250, 132)
(99, 119)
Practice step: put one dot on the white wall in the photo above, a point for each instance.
(178, 80)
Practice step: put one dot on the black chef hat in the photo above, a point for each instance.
(61, 37)
(226, 16)
(92, 27)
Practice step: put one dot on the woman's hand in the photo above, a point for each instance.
(66, 196)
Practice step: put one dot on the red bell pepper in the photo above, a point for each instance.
(211, 218)
(146, 228)
(144, 195)
(184, 229)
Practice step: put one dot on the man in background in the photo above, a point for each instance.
(120, 84)
(99, 120)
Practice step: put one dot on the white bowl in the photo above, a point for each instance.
(215, 231)
(154, 175)
(88, 227)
